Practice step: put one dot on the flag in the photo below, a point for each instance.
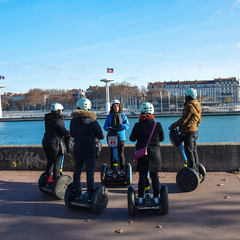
(2, 77)
(110, 70)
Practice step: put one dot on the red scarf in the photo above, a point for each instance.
(146, 116)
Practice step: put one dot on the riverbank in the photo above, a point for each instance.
(103, 116)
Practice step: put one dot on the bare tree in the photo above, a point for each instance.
(22, 104)
(5, 104)
(97, 96)
(35, 97)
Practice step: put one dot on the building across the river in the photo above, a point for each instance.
(218, 90)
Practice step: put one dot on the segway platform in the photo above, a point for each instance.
(148, 202)
(98, 202)
(82, 202)
(107, 178)
(115, 177)
(57, 188)
(188, 179)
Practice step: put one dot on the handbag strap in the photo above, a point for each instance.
(54, 132)
(151, 133)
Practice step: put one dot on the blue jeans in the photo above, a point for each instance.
(190, 147)
(89, 167)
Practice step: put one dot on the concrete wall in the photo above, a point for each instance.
(214, 157)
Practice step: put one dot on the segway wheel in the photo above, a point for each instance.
(187, 179)
(69, 196)
(164, 199)
(99, 199)
(202, 171)
(41, 183)
(103, 174)
(128, 174)
(60, 186)
(131, 200)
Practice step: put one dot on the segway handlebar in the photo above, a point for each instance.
(113, 129)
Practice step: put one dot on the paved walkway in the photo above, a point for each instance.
(212, 211)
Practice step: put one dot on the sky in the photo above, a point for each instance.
(63, 44)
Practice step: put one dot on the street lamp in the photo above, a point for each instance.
(1, 86)
(107, 80)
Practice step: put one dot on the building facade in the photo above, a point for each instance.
(219, 90)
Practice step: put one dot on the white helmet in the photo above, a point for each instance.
(147, 108)
(115, 101)
(56, 106)
(191, 92)
(84, 104)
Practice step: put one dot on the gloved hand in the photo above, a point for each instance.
(170, 128)
(119, 126)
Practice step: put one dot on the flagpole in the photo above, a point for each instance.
(169, 102)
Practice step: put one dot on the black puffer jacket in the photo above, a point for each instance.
(84, 128)
(141, 133)
(54, 123)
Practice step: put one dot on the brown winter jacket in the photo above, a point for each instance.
(191, 117)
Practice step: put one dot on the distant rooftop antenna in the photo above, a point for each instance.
(107, 80)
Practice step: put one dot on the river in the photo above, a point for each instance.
(212, 129)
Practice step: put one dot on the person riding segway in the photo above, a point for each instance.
(148, 134)
(188, 127)
(114, 177)
(52, 180)
(85, 130)
(115, 124)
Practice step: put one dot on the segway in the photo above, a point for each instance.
(187, 178)
(59, 186)
(107, 178)
(148, 203)
(98, 203)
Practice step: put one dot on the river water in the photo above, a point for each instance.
(212, 129)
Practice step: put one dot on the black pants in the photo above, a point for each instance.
(89, 167)
(143, 182)
(190, 147)
(53, 159)
(121, 156)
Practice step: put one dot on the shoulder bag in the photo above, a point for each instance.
(61, 144)
(143, 151)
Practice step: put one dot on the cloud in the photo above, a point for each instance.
(218, 11)
(81, 66)
(51, 67)
(134, 52)
(18, 65)
(238, 45)
(201, 64)
(236, 3)
(131, 78)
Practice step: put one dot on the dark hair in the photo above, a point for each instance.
(188, 98)
(120, 108)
